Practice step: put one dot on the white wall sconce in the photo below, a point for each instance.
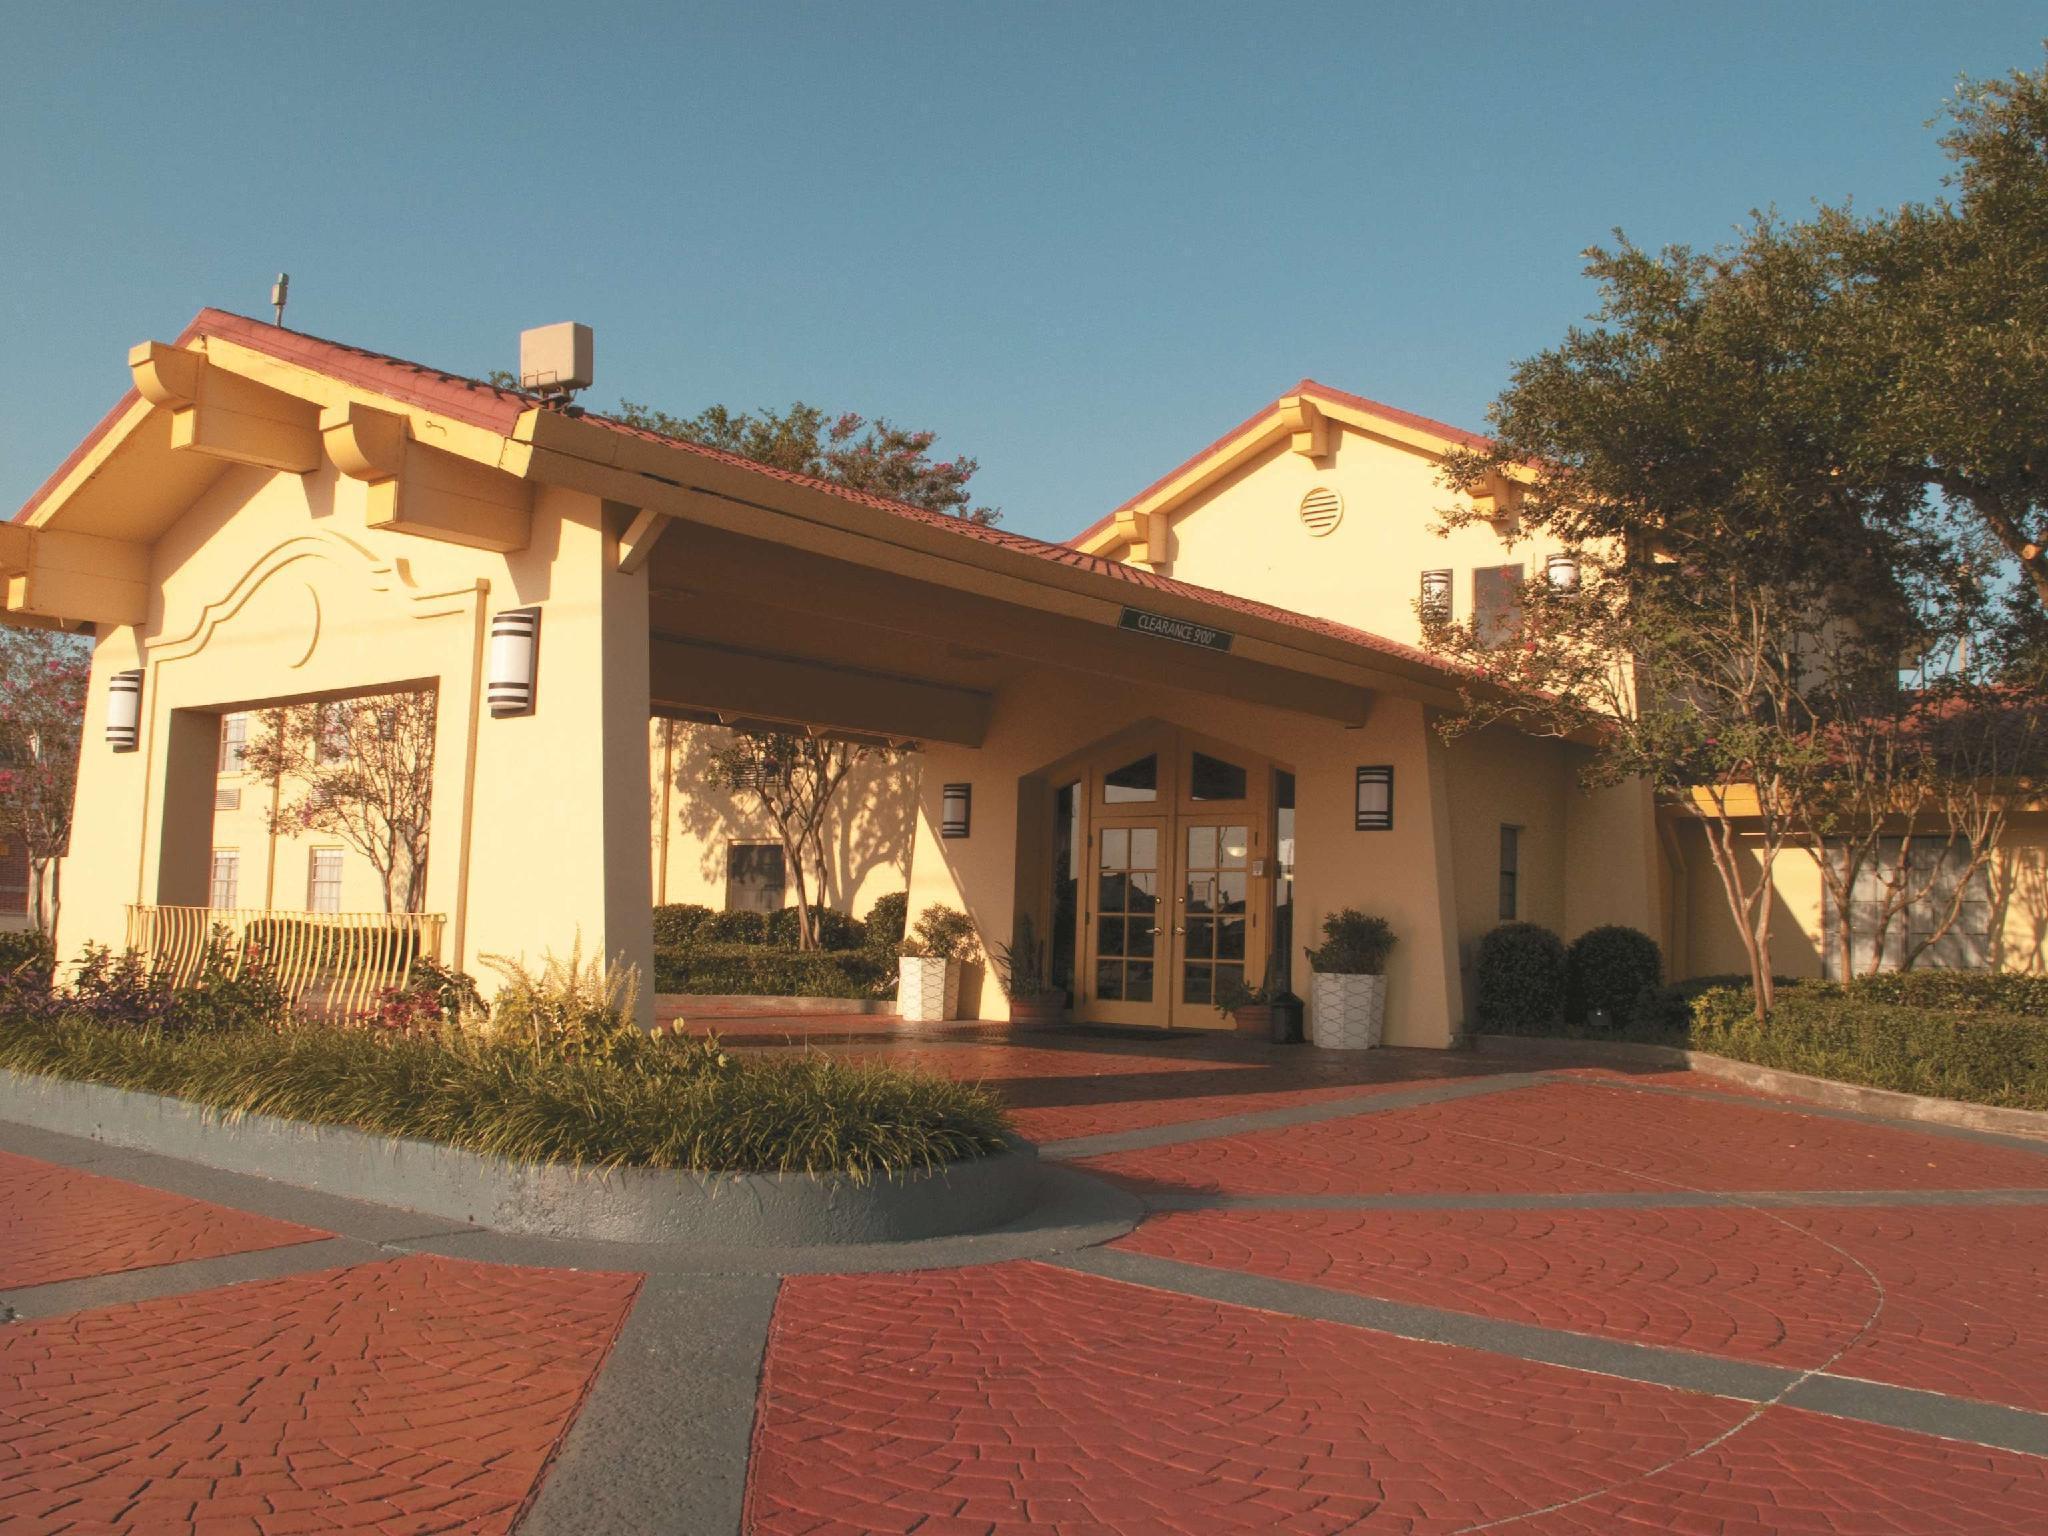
(1376, 799)
(1563, 571)
(515, 648)
(124, 710)
(1436, 595)
(956, 807)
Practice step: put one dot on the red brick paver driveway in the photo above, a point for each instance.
(1398, 1292)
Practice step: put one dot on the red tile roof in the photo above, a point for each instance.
(487, 405)
(1245, 428)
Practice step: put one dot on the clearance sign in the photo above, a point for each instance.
(1185, 631)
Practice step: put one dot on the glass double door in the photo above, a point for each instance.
(1175, 919)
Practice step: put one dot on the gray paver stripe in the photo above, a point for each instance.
(29, 1302)
(1368, 1101)
(1742, 1098)
(1196, 1200)
(661, 1445)
(1844, 1397)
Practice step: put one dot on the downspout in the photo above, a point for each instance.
(1679, 939)
(459, 918)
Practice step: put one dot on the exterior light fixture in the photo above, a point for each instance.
(1436, 595)
(956, 810)
(124, 710)
(515, 646)
(1376, 799)
(1563, 571)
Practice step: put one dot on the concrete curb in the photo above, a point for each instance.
(746, 1005)
(1886, 1103)
(630, 1205)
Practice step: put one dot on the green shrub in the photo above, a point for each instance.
(887, 920)
(1353, 945)
(1958, 991)
(734, 928)
(679, 923)
(28, 951)
(1612, 970)
(121, 991)
(835, 929)
(1518, 980)
(757, 970)
(656, 1103)
(569, 1009)
(941, 934)
(1984, 1057)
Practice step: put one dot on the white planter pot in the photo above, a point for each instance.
(1347, 1013)
(927, 990)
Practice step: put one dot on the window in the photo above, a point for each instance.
(1929, 868)
(1510, 870)
(323, 881)
(331, 733)
(754, 877)
(1497, 603)
(234, 742)
(1436, 597)
(1132, 782)
(227, 878)
(1211, 778)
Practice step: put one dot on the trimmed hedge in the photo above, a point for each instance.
(1611, 969)
(1957, 991)
(760, 970)
(686, 923)
(1518, 980)
(1980, 1055)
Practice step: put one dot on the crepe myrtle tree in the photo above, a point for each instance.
(794, 780)
(359, 769)
(43, 677)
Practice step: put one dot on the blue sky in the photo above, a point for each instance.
(1078, 241)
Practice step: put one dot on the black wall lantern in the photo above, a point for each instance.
(1376, 799)
(956, 807)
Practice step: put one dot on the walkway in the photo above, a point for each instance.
(1401, 1292)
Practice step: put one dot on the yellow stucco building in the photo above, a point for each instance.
(1174, 744)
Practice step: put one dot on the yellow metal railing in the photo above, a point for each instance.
(330, 965)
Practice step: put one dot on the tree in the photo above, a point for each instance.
(43, 677)
(1784, 465)
(794, 779)
(874, 456)
(1947, 304)
(1739, 594)
(361, 770)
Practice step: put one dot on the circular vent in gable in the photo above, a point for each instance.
(1321, 510)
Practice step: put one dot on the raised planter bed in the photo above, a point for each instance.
(630, 1205)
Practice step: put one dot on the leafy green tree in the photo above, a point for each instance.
(1784, 465)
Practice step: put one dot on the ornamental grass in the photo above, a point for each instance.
(645, 1102)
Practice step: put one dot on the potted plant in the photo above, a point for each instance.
(1020, 967)
(1348, 999)
(1267, 1012)
(928, 965)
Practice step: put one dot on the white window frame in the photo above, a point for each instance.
(234, 742)
(224, 876)
(314, 883)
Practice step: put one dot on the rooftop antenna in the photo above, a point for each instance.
(555, 362)
(278, 291)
